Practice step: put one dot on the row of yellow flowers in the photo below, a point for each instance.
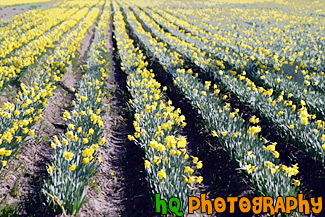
(20, 2)
(287, 39)
(251, 152)
(22, 22)
(15, 41)
(12, 66)
(75, 157)
(292, 121)
(79, 3)
(170, 168)
(18, 118)
(204, 38)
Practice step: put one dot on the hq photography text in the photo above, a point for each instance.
(257, 205)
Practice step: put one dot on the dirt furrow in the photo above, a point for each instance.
(21, 190)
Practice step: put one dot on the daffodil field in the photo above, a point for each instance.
(21, 2)
(216, 98)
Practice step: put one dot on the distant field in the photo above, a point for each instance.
(5, 3)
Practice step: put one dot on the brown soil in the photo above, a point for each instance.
(131, 193)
